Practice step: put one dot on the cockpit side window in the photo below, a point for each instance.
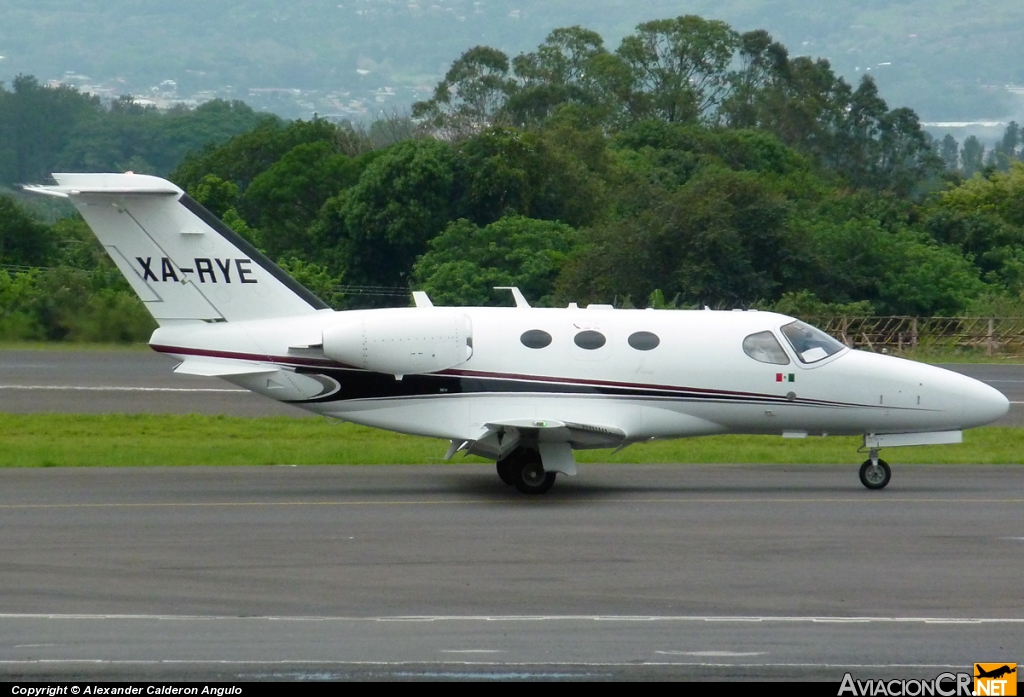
(811, 344)
(764, 347)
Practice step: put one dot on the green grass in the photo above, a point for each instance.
(121, 440)
(69, 346)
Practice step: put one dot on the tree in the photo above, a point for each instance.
(471, 96)
(807, 108)
(678, 67)
(949, 151)
(763, 69)
(380, 225)
(984, 219)
(1007, 150)
(719, 239)
(504, 172)
(285, 200)
(855, 148)
(905, 157)
(972, 156)
(465, 262)
(23, 241)
(900, 272)
(562, 71)
(35, 122)
(246, 156)
(564, 58)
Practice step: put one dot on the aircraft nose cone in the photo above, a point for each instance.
(983, 404)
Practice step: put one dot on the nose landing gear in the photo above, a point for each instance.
(875, 472)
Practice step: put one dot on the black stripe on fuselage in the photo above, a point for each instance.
(363, 385)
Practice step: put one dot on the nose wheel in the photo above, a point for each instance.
(875, 472)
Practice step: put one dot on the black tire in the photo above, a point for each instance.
(530, 477)
(506, 469)
(875, 477)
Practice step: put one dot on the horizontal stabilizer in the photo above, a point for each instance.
(102, 184)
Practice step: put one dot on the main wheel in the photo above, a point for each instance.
(875, 476)
(530, 477)
(506, 470)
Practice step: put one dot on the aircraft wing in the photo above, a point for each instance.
(554, 439)
(553, 430)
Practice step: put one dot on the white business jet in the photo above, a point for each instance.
(522, 386)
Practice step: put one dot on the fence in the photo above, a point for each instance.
(987, 335)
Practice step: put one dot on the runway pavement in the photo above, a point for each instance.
(443, 572)
(130, 381)
(142, 381)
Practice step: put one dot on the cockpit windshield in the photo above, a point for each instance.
(811, 344)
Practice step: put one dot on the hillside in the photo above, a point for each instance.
(947, 59)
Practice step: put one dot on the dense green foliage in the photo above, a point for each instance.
(78, 296)
(692, 163)
(45, 130)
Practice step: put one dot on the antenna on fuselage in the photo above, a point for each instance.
(516, 294)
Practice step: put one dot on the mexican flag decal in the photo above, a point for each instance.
(785, 377)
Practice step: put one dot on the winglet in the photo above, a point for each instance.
(421, 299)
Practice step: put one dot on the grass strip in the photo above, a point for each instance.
(71, 346)
(123, 440)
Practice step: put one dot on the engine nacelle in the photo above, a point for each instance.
(402, 341)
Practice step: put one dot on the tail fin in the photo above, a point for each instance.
(183, 262)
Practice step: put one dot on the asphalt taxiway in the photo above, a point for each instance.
(442, 572)
(421, 572)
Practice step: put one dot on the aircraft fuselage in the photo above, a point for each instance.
(697, 380)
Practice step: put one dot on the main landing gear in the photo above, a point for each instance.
(523, 469)
(875, 472)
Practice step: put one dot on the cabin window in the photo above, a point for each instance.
(590, 340)
(535, 339)
(764, 347)
(644, 341)
(811, 344)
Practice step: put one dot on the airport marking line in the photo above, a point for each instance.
(788, 619)
(714, 654)
(516, 501)
(524, 664)
(111, 388)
